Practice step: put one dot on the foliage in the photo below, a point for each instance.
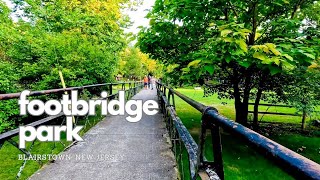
(83, 39)
(245, 47)
(135, 65)
(304, 91)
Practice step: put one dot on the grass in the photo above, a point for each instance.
(240, 161)
(10, 164)
(226, 107)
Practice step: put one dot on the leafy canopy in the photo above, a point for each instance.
(236, 46)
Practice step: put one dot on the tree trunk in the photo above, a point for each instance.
(245, 109)
(241, 110)
(304, 116)
(238, 108)
(237, 101)
(241, 107)
(242, 113)
(256, 109)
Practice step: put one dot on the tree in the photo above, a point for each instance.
(83, 39)
(303, 92)
(135, 64)
(243, 46)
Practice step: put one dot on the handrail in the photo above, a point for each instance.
(14, 132)
(292, 162)
(57, 91)
(7, 136)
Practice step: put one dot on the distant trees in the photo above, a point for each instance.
(135, 64)
(303, 92)
(245, 48)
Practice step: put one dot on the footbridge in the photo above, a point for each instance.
(152, 148)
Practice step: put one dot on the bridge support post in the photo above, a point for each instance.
(215, 167)
(110, 89)
(135, 88)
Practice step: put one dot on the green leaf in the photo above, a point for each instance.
(245, 64)
(260, 56)
(228, 39)
(186, 70)
(286, 65)
(194, 63)
(274, 70)
(285, 46)
(228, 59)
(286, 2)
(275, 52)
(245, 30)
(276, 60)
(272, 47)
(288, 57)
(310, 56)
(209, 69)
(225, 32)
(238, 52)
(171, 68)
(242, 45)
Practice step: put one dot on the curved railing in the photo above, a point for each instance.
(132, 89)
(292, 162)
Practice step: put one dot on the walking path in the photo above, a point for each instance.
(116, 149)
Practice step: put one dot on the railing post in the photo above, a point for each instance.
(217, 150)
(202, 141)
(110, 89)
(173, 101)
(217, 164)
(135, 88)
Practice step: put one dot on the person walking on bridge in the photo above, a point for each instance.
(152, 82)
(145, 81)
(149, 81)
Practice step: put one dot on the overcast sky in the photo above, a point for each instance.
(137, 17)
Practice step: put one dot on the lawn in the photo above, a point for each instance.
(240, 161)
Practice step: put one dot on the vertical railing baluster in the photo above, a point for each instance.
(217, 151)
(110, 89)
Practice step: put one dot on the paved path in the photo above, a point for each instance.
(115, 149)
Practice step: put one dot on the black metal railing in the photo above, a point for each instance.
(295, 164)
(130, 88)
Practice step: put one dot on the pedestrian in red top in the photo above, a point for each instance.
(145, 80)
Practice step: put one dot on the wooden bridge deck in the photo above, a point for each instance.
(116, 149)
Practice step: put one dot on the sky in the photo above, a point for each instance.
(9, 4)
(13, 15)
(138, 17)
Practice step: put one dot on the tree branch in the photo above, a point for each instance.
(295, 8)
(233, 9)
